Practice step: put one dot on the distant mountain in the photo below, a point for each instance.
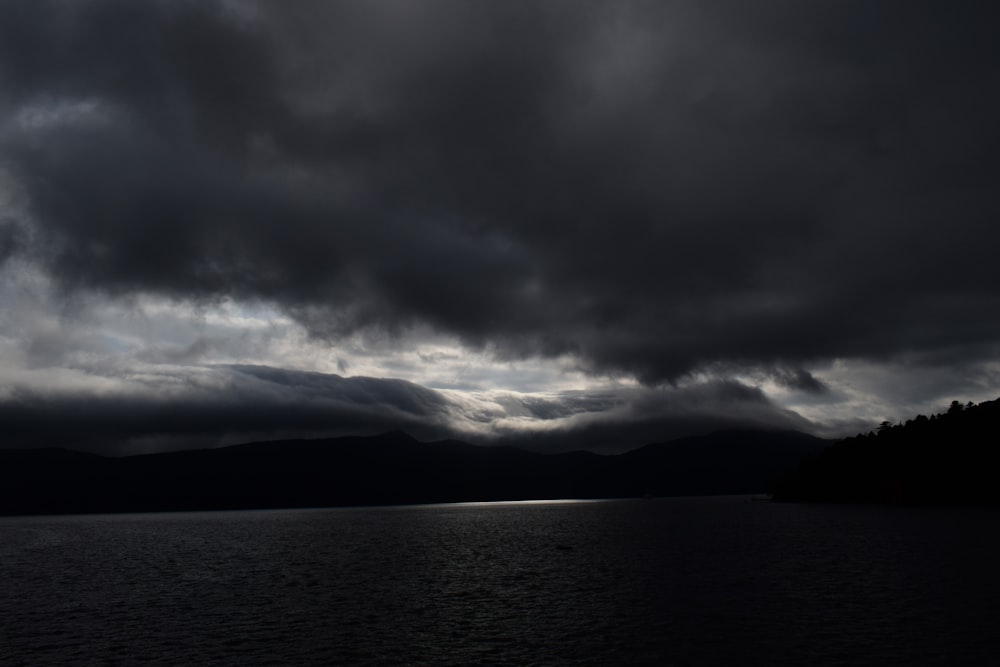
(949, 458)
(722, 462)
(392, 468)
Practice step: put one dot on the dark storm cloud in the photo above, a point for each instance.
(652, 187)
(11, 239)
(398, 395)
(799, 379)
(224, 404)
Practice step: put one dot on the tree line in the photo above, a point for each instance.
(946, 458)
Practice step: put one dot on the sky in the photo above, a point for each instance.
(560, 225)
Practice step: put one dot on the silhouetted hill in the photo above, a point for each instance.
(392, 468)
(949, 458)
(722, 462)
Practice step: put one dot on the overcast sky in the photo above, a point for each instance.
(563, 224)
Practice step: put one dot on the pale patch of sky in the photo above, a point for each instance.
(48, 113)
(161, 345)
(99, 337)
(865, 393)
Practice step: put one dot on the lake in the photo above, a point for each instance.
(676, 581)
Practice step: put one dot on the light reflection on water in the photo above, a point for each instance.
(687, 581)
(515, 503)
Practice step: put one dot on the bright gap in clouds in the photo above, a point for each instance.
(89, 346)
(85, 353)
(42, 331)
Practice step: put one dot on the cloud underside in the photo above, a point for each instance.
(653, 190)
(211, 406)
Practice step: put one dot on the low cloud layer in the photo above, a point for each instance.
(650, 190)
(184, 407)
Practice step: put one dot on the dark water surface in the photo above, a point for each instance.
(688, 581)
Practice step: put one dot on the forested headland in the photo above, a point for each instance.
(947, 458)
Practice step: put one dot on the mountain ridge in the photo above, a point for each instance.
(389, 468)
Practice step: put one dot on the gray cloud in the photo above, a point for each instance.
(165, 407)
(11, 239)
(799, 379)
(203, 407)
(650, 188)
(614, 421)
